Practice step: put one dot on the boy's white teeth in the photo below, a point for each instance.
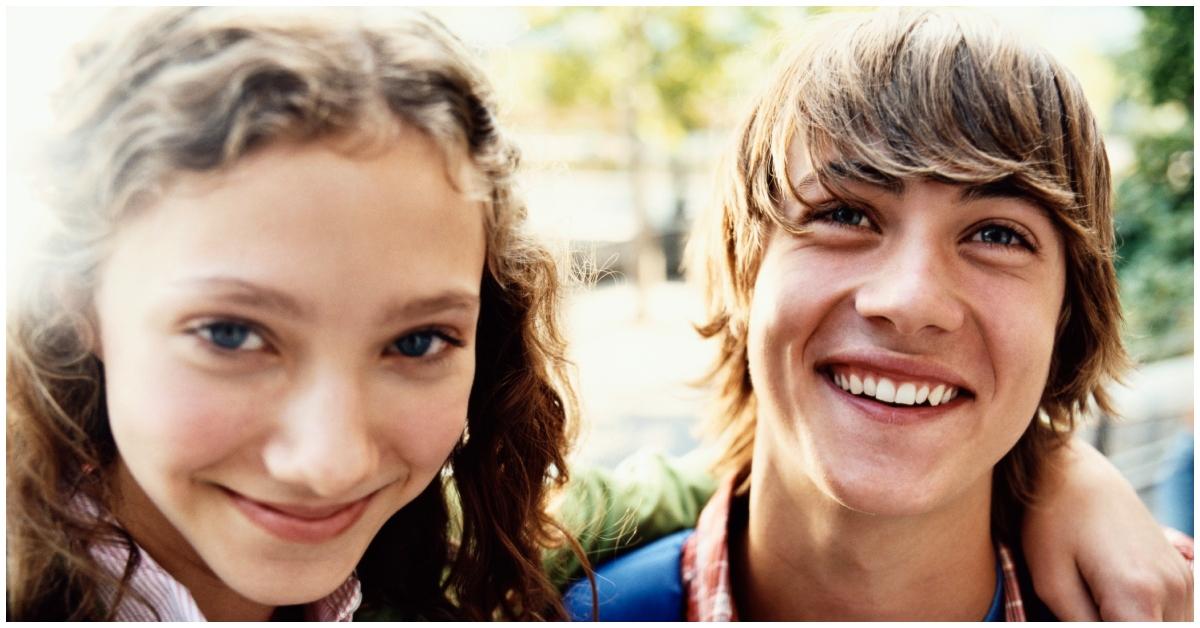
(885, 390)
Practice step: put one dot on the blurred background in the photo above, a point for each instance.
(621, 113)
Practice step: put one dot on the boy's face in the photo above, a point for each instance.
(289, 351)
(900, 348)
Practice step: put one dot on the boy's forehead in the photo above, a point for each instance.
(810, 178)
(806, 182)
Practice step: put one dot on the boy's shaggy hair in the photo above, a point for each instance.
(893, 95)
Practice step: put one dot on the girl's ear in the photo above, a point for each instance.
(90, 335)
(75, 298)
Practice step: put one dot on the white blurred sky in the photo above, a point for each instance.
(38, 39)
(627, 403)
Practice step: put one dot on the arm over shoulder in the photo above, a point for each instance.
(646, 497)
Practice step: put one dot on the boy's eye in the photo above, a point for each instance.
(231, 336)
(419, 344)
(847, 216)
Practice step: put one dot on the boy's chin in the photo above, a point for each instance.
(890, 496)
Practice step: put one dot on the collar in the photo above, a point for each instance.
(705, 565)
(169, 600)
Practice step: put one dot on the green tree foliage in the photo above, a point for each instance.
(669, 65)
(1166, 47)
(658, 74)
(1155, 220)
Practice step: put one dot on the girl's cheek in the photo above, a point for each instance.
(431, 423)
(182, 418)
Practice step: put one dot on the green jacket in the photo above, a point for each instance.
(645, 497)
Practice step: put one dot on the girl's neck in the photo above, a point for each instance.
(802, 556)
(158, 538)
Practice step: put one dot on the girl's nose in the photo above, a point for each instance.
(323, 441)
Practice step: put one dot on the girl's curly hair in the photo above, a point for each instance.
(195, 90)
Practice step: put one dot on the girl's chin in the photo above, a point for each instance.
(286, 594)
(271, 583)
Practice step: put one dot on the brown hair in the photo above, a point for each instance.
(894, 95)
(196, 90)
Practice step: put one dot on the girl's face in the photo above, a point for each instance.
(900, 348)
(288, 352)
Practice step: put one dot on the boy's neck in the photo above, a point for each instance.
(802, 556)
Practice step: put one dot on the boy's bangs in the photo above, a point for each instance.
(942, 100)
(836, 162)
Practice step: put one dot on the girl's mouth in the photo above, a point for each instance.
(297, 522)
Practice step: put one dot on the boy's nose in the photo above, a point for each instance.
(913, 290)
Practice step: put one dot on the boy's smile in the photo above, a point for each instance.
(900, 345)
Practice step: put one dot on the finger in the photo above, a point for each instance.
(1179, 597)
(1141, 600)
(1177, 582)
(1066, 595)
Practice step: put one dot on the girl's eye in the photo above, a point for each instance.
(999, 235)
(423, 343)
(231, 336)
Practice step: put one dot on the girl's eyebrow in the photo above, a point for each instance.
(449, 300)
(258, 296)
(250, 294)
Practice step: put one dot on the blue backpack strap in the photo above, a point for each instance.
(643, 585)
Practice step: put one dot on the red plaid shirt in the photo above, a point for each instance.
(705, 565)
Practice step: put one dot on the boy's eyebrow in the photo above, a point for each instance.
(861, 172)
(808, 184)
(855, 172)
(258, 296)
(1004, 188)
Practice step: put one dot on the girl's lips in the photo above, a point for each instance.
(300, 524)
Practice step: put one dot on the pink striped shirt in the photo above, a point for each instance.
(173, 602)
